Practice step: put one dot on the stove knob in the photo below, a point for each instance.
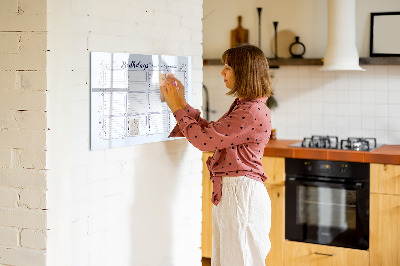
(343, 168)
(308, 166)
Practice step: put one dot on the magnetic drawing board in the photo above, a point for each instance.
(126, 101)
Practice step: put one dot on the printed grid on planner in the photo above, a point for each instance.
(127, 105)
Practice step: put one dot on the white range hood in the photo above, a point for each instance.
(341, 51)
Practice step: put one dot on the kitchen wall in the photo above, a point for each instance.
(60, 203)
(313, 102)
(342, 103)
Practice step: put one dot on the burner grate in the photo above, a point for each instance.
(358, 144)
(327, 142)
(332, 142)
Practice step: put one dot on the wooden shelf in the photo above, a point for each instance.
(212, 62)
(273, 63)
(380, 61)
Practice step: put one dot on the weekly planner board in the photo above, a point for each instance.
(127, 105)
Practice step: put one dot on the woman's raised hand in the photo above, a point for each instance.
(172, 90)
(181, 89)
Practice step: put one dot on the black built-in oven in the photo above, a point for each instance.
(327, 202)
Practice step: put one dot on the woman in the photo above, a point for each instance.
(242, 211)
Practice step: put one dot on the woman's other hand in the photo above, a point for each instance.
(181, 89)
(172, 95)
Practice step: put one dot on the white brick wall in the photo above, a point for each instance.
(23, 178)
(138, 205)
(23, 126)
(33, 239)
(11, 256)
(99, 202)
(8, 197)
(9, 237)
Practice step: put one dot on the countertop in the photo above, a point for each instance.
(388, 154)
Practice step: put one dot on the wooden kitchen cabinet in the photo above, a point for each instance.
(385, 215)
(385, 178)
(274, 168)
(384, 236)
(277, 233)
(206, 225)
(305, 254)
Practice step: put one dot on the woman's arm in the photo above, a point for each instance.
(194, 113)
(177, 100)
(239, 127)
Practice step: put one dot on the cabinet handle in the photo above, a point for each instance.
(324, 254)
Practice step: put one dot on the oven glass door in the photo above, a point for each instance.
(326, 213)
(326, 207)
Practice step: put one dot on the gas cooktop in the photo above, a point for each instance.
(332, 142)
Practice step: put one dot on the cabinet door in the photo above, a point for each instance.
(304, 254)
(274, 168)
(277, 233)
(384, 230)
(385, 178)
(206, 225)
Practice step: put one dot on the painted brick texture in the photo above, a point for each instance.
(138, 205)
(23, 125)
(112, 207)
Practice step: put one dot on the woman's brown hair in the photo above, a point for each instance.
(250, 66)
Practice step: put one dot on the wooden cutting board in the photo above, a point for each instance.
(239, 35)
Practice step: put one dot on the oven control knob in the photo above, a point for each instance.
(343, 168)
(308, 166)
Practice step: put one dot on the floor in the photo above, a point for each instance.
(206, 261)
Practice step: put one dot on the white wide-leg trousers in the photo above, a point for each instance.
(241, 223)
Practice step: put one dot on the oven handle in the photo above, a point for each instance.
(357, 185)
(324, 254)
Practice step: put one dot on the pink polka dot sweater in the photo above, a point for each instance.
(238, 139)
